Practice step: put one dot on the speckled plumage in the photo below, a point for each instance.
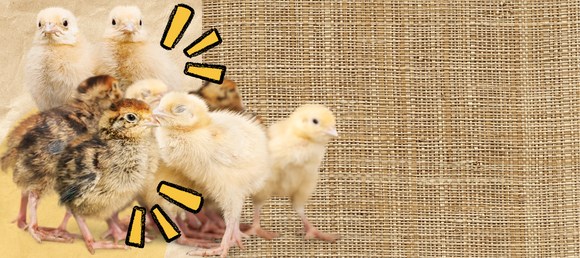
(225, 96)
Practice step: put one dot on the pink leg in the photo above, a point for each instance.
(193, 220)
(116, 220)
(312, 232)
(61, 230)
(231, 237)
(192, 233)
(118, 232)
(216, 218)
(21, 218)
(90, 241)
(207, 225)
(32, 228)
(184, 240)
(257, 230)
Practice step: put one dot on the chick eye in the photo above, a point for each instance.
(315, 121)
(131, 117)
(179, 109)
(114, 22)
(232, 90)
(65, 23)
(114, 85)
(39, 25)
(140, 23)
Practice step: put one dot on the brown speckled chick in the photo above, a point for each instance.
(221, 96)
(102, 172)
(35, 144)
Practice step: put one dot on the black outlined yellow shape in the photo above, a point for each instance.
(178, 22)
(212, 73)
(136, 232)
(185, 198)
(208, 40)
(168, 229)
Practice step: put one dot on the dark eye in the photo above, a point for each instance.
(39, 25)
(114, 22)
(140, 23)
(232, 90)
(65, 23)
(315, 121)
(131, 117)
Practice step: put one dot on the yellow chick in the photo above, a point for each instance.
(297, 145)
(224, 153)
(149, 90)
(59, 60)
(126, 54)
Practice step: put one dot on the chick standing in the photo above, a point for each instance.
(35, 145)
(102, 172)
(297, 147)
(60, 59)
(224, 153)
(126, 54)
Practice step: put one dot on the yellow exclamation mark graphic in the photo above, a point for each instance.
(209, 39)
(185, 198)
(167, 227)
(212, 73)
(136, 232)
(178, 22)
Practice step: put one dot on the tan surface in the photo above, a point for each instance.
(459, 121)
(18, 19)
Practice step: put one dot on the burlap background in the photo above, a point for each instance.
(458, 121)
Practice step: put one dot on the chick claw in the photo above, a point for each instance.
(59, 232)
(313, 233)
(40, 235)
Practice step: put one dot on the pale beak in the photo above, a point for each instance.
(150, 121)
(129, 27)
(159, 112)
(48, 28)
(331, 130)
(161, 94)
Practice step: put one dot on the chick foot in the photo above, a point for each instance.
(203, 223)
(61, 230)
(21, 218)
(193, 233)
(90, 241)
(184, 240)
(256, 229)
(33, 229)
(232, 237)
(216, 218)
(312, 232)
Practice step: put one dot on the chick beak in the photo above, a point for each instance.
(331, 130)
(129, 27)
(49, 29)
(159, 112)
(151, 121)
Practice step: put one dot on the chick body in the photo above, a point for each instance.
(126, 53)
(225, 154)
(59, 60)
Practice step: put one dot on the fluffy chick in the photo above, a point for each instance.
(296, 145)
(126, 54)
(101, 173)
(224, 153)
(59, 59)
(35, 145)
(150, 90)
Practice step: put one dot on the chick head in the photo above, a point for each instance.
(179, 110)
(149, 90)
(125, 25)
(222, 96)
(126, 119)
(56, 25)
(100, 90)
(314, 122)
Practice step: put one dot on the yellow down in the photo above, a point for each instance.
(181, 16)
(208, 40)
(207, 72)
(135, 235)
(168, 229)
(190, 200)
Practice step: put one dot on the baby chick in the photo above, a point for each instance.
(297, 147)
(224, 153)
(126, 54)
(102, 172)
(59, 59)
(35, 145)
(221, 96)
(150, 90)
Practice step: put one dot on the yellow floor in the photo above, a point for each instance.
(15, 242)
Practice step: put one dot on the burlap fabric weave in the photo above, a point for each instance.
(458, 120)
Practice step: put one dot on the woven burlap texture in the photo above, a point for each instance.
(459, 122)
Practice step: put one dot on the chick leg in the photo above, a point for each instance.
(90, 241)
(232, 236)
(312, 232)
(194, 234)
(117, 221)
(32, 228)
(256, 229)
(216, 218)
(21, 218)
(207, 225)
(118, 231)
(184, 240)
(61, 230)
